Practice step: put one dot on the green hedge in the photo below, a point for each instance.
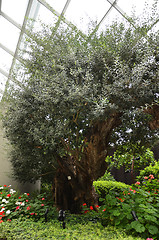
(103, 187)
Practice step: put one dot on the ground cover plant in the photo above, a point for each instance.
(79, 95)
(75, 229)
(123, 210)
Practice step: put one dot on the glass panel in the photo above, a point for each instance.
(15, 9)
(112, 16)
(5, 60)
(134, 6)
(57, 5)
(9, 34)
(82, 12)
(3, 81)
(46, 16)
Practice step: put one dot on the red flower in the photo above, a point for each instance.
(31, 213)
(19, 197)
(97, 206)
(28, 194)
(104, 210)
(17, 207)
(9, 195)
(9, 220)
(26, 200)
(1, 221)
(42, 205)
(5, 185)
(84, 204)
(145, 177)
(43, 199)
(91, 207)
(151, 176)
(28, 208)
(137, 183)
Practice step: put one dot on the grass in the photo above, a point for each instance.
(29, 229)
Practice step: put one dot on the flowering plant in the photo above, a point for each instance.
(149, 183)
(135, 209)
(15, 205)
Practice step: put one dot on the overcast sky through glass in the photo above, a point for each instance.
(79, 12)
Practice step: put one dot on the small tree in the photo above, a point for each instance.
(132, 157)
(77, 98)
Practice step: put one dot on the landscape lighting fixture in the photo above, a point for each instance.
(61, 218)
(134, 215)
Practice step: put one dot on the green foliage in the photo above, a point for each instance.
(106, 177)
(128, 155)
(16, 205)
(117, 210)
(70, 83)
(103, 187)
(151, 169)
(28, 229)
(149, 177)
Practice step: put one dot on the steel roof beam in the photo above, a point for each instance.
(121, 11)
(65, 7)
(28, 10)
(10, 20)
(103, 18)
(0, 6)
(60, 16)
(49, 7)
(6, 49)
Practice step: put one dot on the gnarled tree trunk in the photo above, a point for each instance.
(73, 184)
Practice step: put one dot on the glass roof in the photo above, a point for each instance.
(14, 15)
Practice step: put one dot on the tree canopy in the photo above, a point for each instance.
(72, 85)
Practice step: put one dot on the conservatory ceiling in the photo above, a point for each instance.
(14, 15)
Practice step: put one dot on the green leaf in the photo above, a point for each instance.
(151, 218)
(152, 229)
(116, 212)
(138, 226)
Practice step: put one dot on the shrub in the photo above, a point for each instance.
(103, 187)
(149, 178)
(151, 169)
(15, 205)
(106, 177)
(117, 210)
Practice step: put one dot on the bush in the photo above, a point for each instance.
(149, 178)
(151, 169)
(15, 205)
(106, 177)
(103, 187)
(118, 209)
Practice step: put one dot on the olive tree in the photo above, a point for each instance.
(79, 96)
